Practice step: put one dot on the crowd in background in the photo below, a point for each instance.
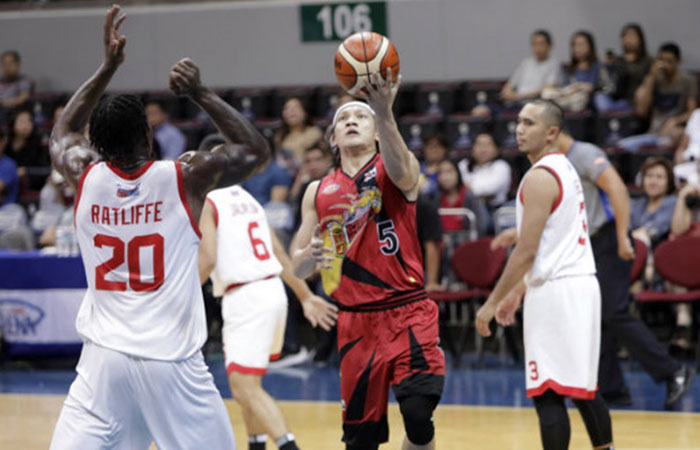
(645, 102)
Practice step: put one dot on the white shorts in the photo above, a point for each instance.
(561, 321)
(255, 316)
(121, 402)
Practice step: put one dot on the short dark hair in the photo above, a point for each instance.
(322, 146)
(671, 47)
(552, 111)
(666, 165)
(118, 126)
(210, 141)
(544, 33)
(13, 53)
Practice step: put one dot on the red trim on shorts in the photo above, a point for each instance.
(183, 199)
(233, 367)
(561, 186)
(233, 286)
(216, 212)
(275, 357)
(80, 188)
(576, 393)
(130, 176)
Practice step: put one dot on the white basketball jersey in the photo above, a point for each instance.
(244, 247)
(139, 244)
(565, 248)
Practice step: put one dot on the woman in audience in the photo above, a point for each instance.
(651, 214)
(454, 194)
(297, 133)
(434, 152)
(628, 71)
(583, 76)
(24, 142)
(485, 173)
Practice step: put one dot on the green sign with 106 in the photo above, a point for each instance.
(323, 22)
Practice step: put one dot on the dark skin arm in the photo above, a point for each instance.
(70, 152)
(226, 164)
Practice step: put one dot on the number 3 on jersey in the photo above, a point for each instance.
(385, 234)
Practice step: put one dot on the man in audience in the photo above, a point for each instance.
(668, 97)
(534, 73)
(171, 141)
(15, 88)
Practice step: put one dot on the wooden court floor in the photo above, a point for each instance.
(27, 421)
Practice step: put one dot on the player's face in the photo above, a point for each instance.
(655, 182)
(532, 130)
(355, 127)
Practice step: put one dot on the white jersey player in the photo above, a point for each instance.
(553, 258)
(245, 261)
(141, 376)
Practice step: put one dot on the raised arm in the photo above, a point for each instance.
(540, 191)
(69, 149)
(401, 165)
(226, 164)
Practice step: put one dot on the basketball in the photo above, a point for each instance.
(362, 55)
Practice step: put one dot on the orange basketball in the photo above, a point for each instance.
(362, 55)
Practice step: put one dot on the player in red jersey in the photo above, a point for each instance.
(359, 226)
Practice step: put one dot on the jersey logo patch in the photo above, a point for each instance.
(371, 174)
(599, 161)
(124, 192)
(331, 188)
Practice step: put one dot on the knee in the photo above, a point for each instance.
(417, 415)
(244, 391)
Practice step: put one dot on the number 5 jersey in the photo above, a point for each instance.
(139, 243)
(371, 228)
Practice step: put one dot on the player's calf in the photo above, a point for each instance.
(417, 412)
(555, 429)
(596, 416)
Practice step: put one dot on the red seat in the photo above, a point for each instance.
(475, 264)
(678, 262)
(640, 260)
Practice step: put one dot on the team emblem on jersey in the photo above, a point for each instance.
(371, 174)
(123, 191)
(331, 188)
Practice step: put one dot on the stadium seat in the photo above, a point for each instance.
(640, 260)
(253, 102)
(504, 130)
(578, 124)
(677, 261)
(481, 92)
(461, 129)
(268, 127)
(437, 98)
(416, 128)
(476, 265)
(612, 126)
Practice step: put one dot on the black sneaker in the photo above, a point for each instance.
(679, 384)
(618, 398)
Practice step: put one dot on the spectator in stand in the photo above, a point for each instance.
(454, 194)
(651, 213)
(318, 160)
(485, 173)
(434, 152)
(171, 141)
(628, 71)
(429, 231)
(668, 97)
(15, 89)
(25, 147)
(533, 74)
(297, 133)
(581, 77)
(9, 181)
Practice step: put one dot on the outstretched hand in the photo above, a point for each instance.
(380, 92)
(184, 78)
(321, 255)
(319, 312)
(113, 41)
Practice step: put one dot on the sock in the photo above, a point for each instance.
(257, 441)
(286, 442)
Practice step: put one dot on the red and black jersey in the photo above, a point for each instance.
(371, 227)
